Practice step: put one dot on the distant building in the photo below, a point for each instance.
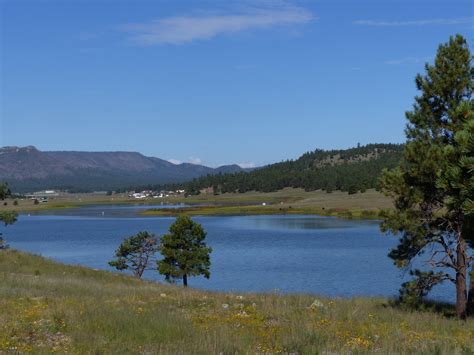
(138, 195)
(43, 194)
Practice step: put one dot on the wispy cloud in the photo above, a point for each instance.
(175, 161)
(438, 21)
(203, 26)
(408, 60)
(246, 165)
(194, 160)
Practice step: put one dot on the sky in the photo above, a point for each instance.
(215, 82)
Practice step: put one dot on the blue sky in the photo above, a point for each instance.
(215, 82)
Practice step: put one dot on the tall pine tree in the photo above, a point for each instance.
(433, 185)
(184, 251)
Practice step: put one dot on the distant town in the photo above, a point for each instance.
(45, 195)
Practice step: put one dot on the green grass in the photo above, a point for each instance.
(262, 210)
(287, 201)
(49, 307)
(282, 201)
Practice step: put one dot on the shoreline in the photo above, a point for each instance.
(366, 205)
(255, 210)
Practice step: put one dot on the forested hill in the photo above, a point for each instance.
(352, 170)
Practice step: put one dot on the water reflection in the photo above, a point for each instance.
(107, 211)
(299, 222)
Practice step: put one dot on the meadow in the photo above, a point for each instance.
(365, 205)
(50, 307)
(286, 201)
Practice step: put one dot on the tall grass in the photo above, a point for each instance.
(48, 307)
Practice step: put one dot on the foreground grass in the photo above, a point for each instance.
(49, 307)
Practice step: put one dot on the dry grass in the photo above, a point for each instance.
(50, 307)
(284, 199)
(287, 201)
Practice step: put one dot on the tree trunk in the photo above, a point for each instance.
(185, 280)
(470, 298)
(461, 290)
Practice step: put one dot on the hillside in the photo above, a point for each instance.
(49, 307)
(28, 169)
(356, 169)
(352, 170)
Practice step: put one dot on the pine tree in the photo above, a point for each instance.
(135, 253)
(432, 187)
(184, 250)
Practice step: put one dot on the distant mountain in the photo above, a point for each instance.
(28, 169)
(352, 170)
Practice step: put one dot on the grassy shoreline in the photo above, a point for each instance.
(47, 306)
(252, 210)
(287, 201)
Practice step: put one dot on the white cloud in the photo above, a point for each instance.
(175, 161)
(184, 29)
(246, 165)
(438, 21)
(407, 60)
(194, 160)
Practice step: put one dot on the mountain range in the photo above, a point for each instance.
(28, 169)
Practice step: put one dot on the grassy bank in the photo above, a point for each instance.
(288, 201)
(284, 201)
(53, 307)
(262, 210)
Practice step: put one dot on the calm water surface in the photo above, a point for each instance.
(318, 255)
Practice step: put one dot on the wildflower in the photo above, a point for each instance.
(225, 306)
(316, 304)
(358, 342)
(239, 297)
(163, 295)
(323, 322)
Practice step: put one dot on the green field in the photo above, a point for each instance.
(50, 307)
(286, 201)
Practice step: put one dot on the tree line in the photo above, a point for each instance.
(351, 170)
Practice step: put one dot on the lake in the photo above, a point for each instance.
(296, 253)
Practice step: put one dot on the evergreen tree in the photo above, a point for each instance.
(135, 253)
(432, 187)
(184, 250)
(8, 217)
(4, 191)
(459, 179)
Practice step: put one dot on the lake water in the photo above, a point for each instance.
(311, 254)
